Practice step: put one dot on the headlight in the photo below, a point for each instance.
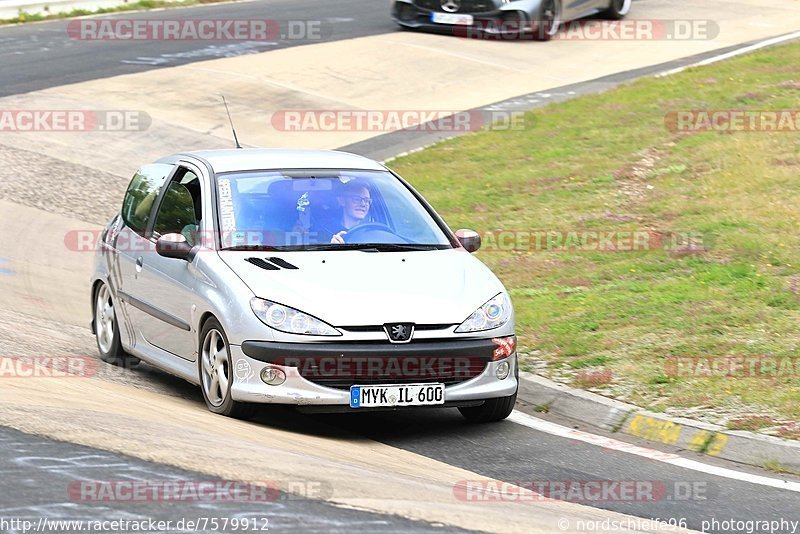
(289, 320)
(493, 314)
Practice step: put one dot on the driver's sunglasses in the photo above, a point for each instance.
(360, 200)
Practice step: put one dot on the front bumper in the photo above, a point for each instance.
(500, 22)
(320, 374)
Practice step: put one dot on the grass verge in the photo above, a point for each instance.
(616, 322)
(777, 467)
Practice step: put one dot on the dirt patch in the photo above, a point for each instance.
(631, 179)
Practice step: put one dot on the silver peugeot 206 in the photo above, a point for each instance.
(310, 278)
(532, 19)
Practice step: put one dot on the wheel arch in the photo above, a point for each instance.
(201, 324)
(96, 283)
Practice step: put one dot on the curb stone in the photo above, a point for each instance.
(619, 417)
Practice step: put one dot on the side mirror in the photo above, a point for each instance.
(174, 246)
(469, 239)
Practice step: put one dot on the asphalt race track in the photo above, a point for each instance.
(378, 472)
(38, 469)
(44, 55)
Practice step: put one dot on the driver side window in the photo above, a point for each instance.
(180, 211)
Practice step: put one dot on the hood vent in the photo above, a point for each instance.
(282, 263)
(258, 262)
(276, 265)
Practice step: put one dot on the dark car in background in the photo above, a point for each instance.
(536, 19)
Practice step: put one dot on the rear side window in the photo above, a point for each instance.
(141, 195)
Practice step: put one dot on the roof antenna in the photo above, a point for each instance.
(236, 139)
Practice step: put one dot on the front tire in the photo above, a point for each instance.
(106, 330)
(216, 373)
(491, 411)
(549, 21)
(618, 9)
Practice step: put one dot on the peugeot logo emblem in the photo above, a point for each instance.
(399, 332)
(451, 6)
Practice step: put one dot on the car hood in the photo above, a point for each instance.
(355, 288)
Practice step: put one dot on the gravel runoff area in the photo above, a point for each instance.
(57, 186)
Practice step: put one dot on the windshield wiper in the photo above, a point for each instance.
(398, 247)
(367, 247)
(255, 248)
(376, 247)
(330, 246)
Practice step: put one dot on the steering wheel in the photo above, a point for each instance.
(373, 227)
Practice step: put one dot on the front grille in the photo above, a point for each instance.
(377, 370)
(404, 11)
(348, 363)
(467, 6)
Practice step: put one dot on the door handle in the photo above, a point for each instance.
(139, 264)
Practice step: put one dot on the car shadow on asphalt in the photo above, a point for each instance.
(386, 425)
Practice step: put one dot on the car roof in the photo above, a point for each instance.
(252, 159)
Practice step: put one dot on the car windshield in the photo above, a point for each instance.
(323, 210)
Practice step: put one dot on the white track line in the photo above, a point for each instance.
(651, 454)
(733, 53)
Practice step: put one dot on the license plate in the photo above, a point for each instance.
(451, 18)
(396, 395)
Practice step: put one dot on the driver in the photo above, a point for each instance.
(355, 200)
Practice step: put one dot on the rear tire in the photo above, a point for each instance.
(106, 330)
(618, 10)
(216, 373)
(491, 411)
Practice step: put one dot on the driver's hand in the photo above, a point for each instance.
(338, 239)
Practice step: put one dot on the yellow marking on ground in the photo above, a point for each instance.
(654, 429)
